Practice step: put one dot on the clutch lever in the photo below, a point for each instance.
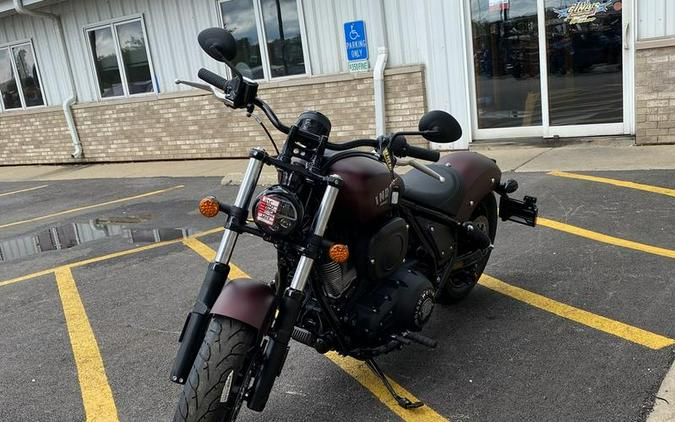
(212, 89)
(421, 167)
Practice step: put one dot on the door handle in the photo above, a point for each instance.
(626, 42)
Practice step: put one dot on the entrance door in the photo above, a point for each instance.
(549, 67)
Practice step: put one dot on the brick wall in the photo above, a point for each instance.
(193, 125)
(655, 95)
(34, 137)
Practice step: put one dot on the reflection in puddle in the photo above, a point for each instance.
(73, 234)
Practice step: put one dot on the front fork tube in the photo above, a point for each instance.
(290, 305)
(197, 321)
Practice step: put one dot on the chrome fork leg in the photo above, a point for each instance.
(325, 209)
(242, 201)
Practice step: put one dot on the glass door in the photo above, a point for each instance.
(549, 67)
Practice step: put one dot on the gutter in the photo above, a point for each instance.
(72, 98)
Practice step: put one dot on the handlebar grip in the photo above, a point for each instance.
(212, 78)
(422, 153)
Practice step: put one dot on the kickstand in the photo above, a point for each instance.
(402, 401)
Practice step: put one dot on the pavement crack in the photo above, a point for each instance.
(531, 159)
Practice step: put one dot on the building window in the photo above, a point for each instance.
(277, 23)
(121, 58)
(19, 78)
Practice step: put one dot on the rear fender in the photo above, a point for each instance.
(480, 175)
(246, 300)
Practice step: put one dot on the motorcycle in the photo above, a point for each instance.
(363, 253)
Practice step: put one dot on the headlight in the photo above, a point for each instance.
(277, 211)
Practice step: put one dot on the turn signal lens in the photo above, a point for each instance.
(338, 253)
(209, 207)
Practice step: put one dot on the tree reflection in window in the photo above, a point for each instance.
(127, 47)
(19, 78)
(283, 44)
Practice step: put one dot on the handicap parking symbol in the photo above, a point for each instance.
(356, 42)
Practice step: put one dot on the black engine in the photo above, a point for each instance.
(402, 303)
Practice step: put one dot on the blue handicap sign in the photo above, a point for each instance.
(356, 42)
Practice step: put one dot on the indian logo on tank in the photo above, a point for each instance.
(585, 11)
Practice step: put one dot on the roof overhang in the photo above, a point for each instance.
(7, 6)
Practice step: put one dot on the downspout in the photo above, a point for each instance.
(376, 9)
(72, 98)
(378, 84)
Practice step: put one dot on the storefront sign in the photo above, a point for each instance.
(584, 11)
(498, 5)
(357, 46)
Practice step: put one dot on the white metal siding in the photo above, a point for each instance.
(47, 51)
(428, 32)
(656, 18)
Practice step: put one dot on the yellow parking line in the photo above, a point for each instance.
(107, 257)
(23, 190)
(611, 240)
(87, 207)
(97, 397)
(609, 326)
(615, 182)
(353, 367)
(209, 254)
(359, 371)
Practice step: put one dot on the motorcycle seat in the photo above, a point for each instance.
(429, 192)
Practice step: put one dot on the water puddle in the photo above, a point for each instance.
(73, 234)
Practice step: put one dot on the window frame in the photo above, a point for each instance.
(113, 24)
(262, 37)
(12, 62)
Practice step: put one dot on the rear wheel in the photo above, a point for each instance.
(214, 391)
(462, 282)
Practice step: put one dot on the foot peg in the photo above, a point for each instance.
(402, 401)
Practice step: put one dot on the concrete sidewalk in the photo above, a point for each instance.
(520, 158)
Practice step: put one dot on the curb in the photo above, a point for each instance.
(664, 406)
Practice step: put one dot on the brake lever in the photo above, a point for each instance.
(212, 89)
(421, 167)
(197, 85)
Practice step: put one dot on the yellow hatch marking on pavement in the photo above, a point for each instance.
(609, 326)
(611, 240)
(97, 397)
(23, 190)
(615, 182)
(353, 367)
(87, 207)
(107, 257)
(209, 254)
(361, 373)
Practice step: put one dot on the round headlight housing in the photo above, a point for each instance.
(277, 211)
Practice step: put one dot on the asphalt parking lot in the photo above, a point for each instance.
(574, 322)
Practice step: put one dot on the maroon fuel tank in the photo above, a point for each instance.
(480, 175)
(368, 184)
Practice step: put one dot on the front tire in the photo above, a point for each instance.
(463, 281)
(214, 390)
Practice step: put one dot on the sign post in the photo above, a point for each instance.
(357, 46)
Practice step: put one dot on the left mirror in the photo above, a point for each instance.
(218, 43)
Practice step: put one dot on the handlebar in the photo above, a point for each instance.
(420, 153)
(212, 78)
(398, 144)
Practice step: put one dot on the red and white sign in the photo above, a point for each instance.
(498, 5)
(266, 211)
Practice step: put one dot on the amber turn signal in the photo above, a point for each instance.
(209, 207)
(338, 253)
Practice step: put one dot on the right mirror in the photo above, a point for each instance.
(445, 128)
(218, 43)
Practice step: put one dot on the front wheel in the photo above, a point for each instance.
(462, 282)
(214, 391)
